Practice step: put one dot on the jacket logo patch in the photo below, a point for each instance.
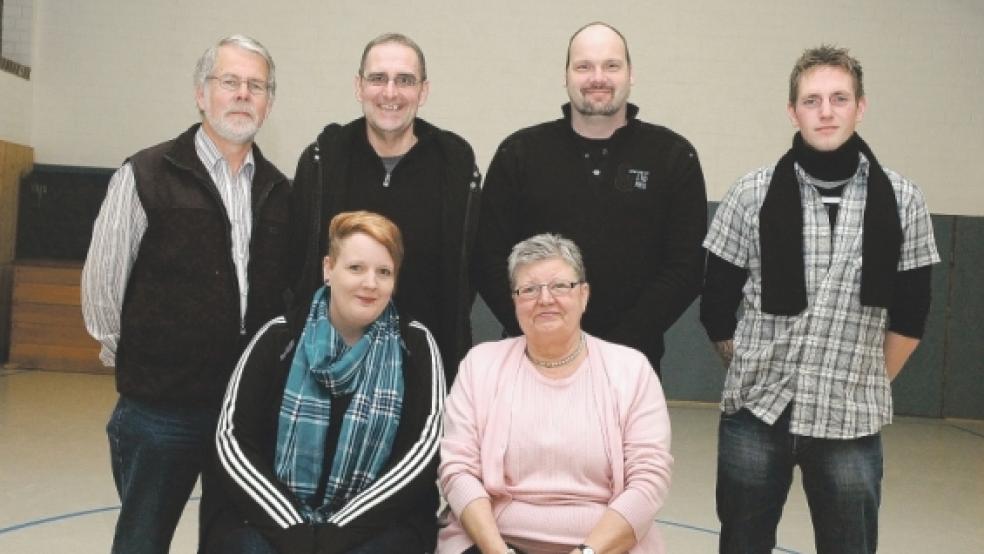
(641, 178)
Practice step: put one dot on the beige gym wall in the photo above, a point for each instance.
(15, 109)
(113, 76)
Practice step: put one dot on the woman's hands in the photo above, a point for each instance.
(479, 523)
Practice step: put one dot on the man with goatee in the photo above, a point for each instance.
(630, 194)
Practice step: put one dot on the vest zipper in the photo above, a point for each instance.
(214, 191)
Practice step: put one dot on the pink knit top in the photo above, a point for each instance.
(553, 454)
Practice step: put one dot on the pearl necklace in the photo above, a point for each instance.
(557, 363)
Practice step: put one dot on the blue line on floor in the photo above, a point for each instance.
(70, 515)
(943, 422)
(685, 526)
(966, 430)
(713, 532)
(42, 521)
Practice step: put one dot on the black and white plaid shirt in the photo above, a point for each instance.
(829, 359)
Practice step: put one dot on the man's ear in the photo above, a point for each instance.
(358, 89)
(791, 111)
(862, 106)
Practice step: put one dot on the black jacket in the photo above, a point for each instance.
(324, 186)
(242, 489)
(639, 222)
(180, 330)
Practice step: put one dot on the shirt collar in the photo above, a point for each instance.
(211, 157)
(630, 121)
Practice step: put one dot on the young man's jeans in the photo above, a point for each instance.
(841, 478)
(157, 453)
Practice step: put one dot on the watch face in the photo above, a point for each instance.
(585, 549)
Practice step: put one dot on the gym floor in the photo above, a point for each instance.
(57, 494)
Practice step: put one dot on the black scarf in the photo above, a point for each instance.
(781, 230)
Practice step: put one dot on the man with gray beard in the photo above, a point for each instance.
(187, 261)
(630, 194)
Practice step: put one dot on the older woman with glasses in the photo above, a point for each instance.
(327, 441)
(555, 441)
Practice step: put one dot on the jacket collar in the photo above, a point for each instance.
(631, 111)
(421, 128)
(182, 154)
(630, 120)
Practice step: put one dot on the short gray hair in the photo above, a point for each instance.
(206, 63)
(394, 38)
(545, 246)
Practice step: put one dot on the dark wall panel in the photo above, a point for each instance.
(485, 326)
(918, 390)
(58, 205)
(964, 377)
(691, 368)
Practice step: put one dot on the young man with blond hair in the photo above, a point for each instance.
(829, 255)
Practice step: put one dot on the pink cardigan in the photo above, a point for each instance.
(635, 425)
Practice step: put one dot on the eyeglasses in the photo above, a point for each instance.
(401, 80)
(555, 288)
(256, 87)
(837, 100)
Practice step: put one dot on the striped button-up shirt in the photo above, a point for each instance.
(120, 227)
(829, 359)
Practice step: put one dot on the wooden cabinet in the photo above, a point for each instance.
(15, 161)
(47, 331)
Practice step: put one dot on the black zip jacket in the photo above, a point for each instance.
(241, 487)
(639, 222)
(340, 160)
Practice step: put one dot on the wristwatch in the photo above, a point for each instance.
(585, 549)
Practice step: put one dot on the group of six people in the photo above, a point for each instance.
(294, 342)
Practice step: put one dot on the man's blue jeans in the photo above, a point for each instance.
(841, 479)
(157, 454)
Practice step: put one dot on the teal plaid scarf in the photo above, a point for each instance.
(325, 367)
